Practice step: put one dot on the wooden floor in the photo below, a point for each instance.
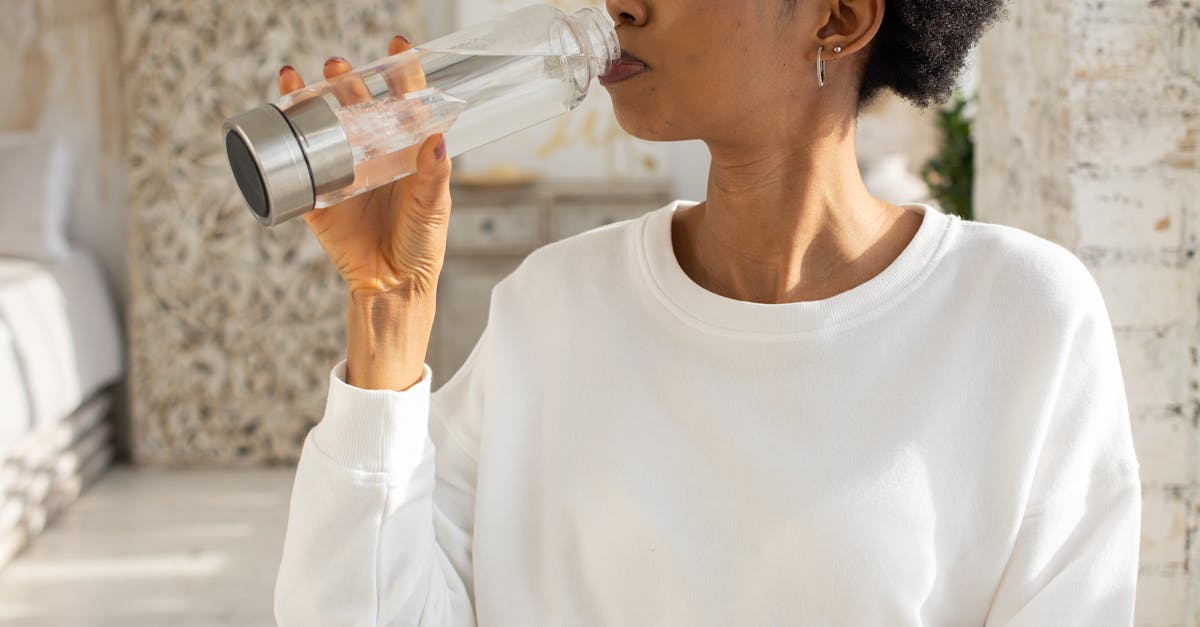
(155, 548)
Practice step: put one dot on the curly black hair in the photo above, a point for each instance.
(922, 46)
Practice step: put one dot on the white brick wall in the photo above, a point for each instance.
(1087, 134)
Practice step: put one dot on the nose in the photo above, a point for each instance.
(628, 12)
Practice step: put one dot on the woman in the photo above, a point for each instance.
(790, 404)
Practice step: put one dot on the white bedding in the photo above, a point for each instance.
(59, 340)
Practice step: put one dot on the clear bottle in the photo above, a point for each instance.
(338, 138)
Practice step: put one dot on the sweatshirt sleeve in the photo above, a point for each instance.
(1075, 557)
(382, 508)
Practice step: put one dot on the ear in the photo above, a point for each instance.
(851, 24)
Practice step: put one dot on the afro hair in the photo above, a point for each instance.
(922, 46)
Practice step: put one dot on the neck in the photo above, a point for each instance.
(788, 223)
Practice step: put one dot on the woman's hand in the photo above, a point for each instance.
(389, 244)
(392, 239)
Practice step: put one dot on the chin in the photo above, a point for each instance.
(646, 123)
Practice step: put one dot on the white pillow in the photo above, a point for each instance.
(37, 178)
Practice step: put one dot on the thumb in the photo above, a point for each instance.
(430, 184)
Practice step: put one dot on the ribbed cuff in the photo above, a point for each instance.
(379, 431)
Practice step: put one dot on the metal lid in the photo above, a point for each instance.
(282, 159)
(324, 141)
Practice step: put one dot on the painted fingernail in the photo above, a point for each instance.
(285, 69)
(403, 39)
(332, 60)
(439, 151)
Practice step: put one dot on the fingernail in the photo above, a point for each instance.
(286, 68)
(439, 151)
(402, 38)
(332, 60)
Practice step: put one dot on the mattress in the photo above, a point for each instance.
(59, 341)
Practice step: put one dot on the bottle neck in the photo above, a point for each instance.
(597, 36)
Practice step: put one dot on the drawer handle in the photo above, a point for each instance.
(487, 226)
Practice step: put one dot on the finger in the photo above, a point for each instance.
(430, 183)
(347, 89)
(406, 76)
(398, 44)
(335, 66)
(289, 80)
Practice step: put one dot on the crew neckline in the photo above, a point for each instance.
(722, 315)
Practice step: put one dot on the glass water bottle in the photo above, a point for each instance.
(338, 138)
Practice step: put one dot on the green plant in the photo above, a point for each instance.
(950, 173)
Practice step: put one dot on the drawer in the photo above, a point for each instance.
(496, 230)
(572, 220)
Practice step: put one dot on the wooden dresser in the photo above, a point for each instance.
(493, 229)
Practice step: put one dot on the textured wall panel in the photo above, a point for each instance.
(233, 326)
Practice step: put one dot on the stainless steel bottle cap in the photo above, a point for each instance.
(282, 159)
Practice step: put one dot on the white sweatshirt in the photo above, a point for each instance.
(945, 444)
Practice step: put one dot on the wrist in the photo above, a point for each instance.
(387, 337)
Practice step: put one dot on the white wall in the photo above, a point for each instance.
(689, 163)
(439, 18)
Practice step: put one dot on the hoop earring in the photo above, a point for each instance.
(820, 68)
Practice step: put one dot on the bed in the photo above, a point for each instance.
(60, 358)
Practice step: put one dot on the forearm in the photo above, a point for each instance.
(387, 337)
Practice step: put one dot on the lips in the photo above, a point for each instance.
(626, 56)
(625, 67)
